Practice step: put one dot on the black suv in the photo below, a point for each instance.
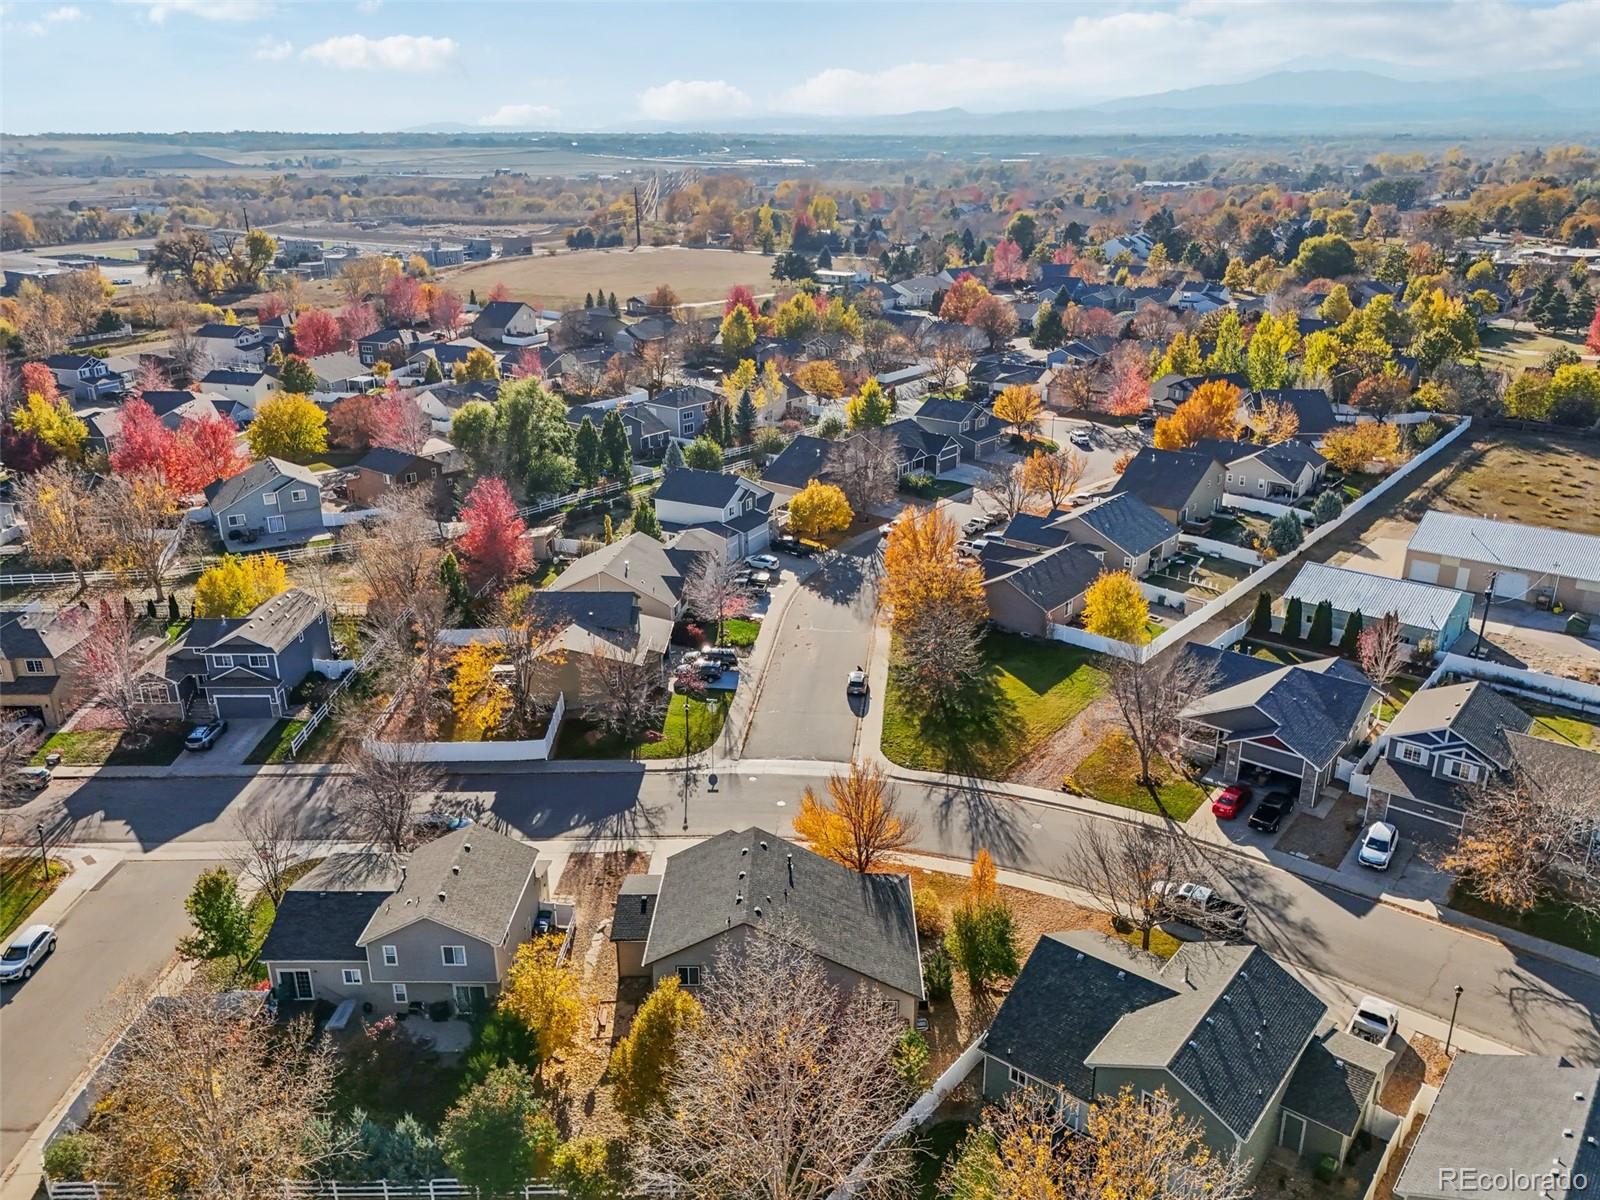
(1270, 811)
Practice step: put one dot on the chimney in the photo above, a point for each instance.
(455, 869)
(644, 905)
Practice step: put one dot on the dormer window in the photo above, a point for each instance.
(1456, 768)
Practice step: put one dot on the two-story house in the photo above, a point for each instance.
(1184, 486)
(683, 409)
(84, 377)
(1028, 591)
(1285, 472)
(443, 924)
(229, 346)
(639, 564)
(272, 500)
(37, 670)
(240, 666)
(715, 896)
(1135, 537)
(735, 509)
(648, 435)
(1294, 722)
(246, 387)
(176, 407)
(390, 345)
(510, 322)
(973, 426)
(1312, 407)
(383, 469)
(1240, 1045)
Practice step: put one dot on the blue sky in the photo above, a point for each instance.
(107, 65)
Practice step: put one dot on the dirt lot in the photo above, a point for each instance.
(562, 280)
(1525, 477)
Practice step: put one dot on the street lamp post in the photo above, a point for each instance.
(44, 861)
(1454, 1008)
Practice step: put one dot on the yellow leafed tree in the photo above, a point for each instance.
(478, 699)
(739, 380)
(1352, 447)
(543, 994)
(53, 423)
(236, 586)
(861, 829)
(288, 426)
(819, 508)
(922, 570)
(1018, 406)
(821, 378)
(1114, 607)
(642, 1063)
(1211, 412)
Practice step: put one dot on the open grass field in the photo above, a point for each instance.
(1529, 478)
(1527, 347)
(562, 280)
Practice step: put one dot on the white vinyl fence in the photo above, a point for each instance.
(1227, 550)
(529, 750)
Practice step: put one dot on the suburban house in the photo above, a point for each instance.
(241, 666)
(735, 509)
(918, 291)
(1285, 472)
(1517, 562)
(390, 345)
(1030, 593)
(1508, 1127)
(1134, 536)
(84, 377)
(914, 450)
(382, 468)
(449, 355)
(648, 436)
(650, 330)
(443, 925)
(340, 373)
(174, 408)
(713, 897)
(973, 426)
(1169, 391)
(1444, 737)
(1436, 615)
(638, 564)
(1199, 296)
(1184, 486)
(36, 667)
(230, 345)
(1312, 406)
(439, 402)
(270, 497)
(246, 387)
(509, 321)
(1136, 246)
(1236, 1042)
(993, 373)
(683, 409)
(1294, 721)
(922, 451)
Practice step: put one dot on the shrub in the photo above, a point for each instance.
(1328, 506)
(1285, 533)
(917, 485)
(911, 1060)
(582, 1168)
(67, 1159)
(938, 973)
(929, 913)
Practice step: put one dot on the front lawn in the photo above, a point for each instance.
(322, 746)
(740, 633)
(24, 886)
(1032, 688)
(1109, 775)
(158, 747)
(580, 739)
(1553, 920)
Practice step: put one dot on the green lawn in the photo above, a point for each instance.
(1276, 654)
(1559, 725)
(1108, 775)
(1401, 689)
(740, 633)
(1162, 943)
(107, 748)
(945, 488)
(273, 748)
(22, 889)
(1031, 689)
(935, 1145)
(1553, 921)
(579, 739)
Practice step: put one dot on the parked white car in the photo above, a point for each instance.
(1378, 845)
(763, 562)
(1375, 1020)
(25, 951)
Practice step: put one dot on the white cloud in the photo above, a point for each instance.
(398, 52)
(522, 116)
(271, 49)
(42, 25)
(209, 10)
(368, 6)
(908, 87)
(692, 100)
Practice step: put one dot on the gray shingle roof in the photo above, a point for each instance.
(947, 408)
(704, 489)
(1312, 406)
(469, 881)
(1406, 782)
(1055, 577)
(274, 623)
(1499, 1126)
(1336, 1078)
(1533, 548)
(1474, 712)
(864, 923)
(1127, 521)
(236, 378)
(1165, 478)
(320, 926)
(635, 909)
(801, 461)
(225, 493)
(1030, 529)
(1422, 605)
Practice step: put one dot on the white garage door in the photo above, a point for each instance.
(1425, 572)
(1511, 585)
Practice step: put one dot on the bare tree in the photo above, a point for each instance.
(713, 591)
(1118, 861)
(398, 556)
(17, 745)
(1008, 486)
(207, 1097)
(627, 693)
(378, 799)
(940, 654)
(269, 838)
(146, 527)
(109, 667)
(528, 647)
(1151, 696)
(1383, 653)
(783, 1090)
(65, 520)
(863, 467)
(188, 359)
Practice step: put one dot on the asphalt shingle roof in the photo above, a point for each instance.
(225, 493)
(801, 461)
(703, 489)
(861, 922)
(635, 908)
(1127, 521)
(1055, 577)
(275, 622)
(469, 880)
(1335, 1079)
(1474, 712)
(314, 926)
(1165, 478)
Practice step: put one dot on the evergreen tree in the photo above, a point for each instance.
(1293, 619)
(433, 373)
(745, 428)
(615, 453)
(588, 300)
(611, 303)
(455, 586)
(1261, 620)
(173, 615)
(472, 297)
(673, 458)
(968, 244)
(1352, 630)
(644, 517)
(1322, 624)
(1557, 313)
(1048, 331)
(824, 258)
(725, 425)
(586, 453)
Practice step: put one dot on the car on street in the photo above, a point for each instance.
(1081, 439)
(122, 281)
(25, 951)
(1375, 1020)
(696, 667)
(437, 822)
(763, 562)
(856, 683)
(1270, 811)
(1199, 905)
(203, 737)
(35, 779)
(975, 525)
(1378, 845)
(1230, 802)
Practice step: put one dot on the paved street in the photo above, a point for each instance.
(123, 930)
(1523, 1001)
(825, 633)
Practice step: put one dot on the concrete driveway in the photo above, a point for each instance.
(230, 750)
(1107, 443)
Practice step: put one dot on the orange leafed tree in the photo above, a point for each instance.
(1053, 476)
(922, 570)
(964, 295)
(1211, 412)
(861, 829)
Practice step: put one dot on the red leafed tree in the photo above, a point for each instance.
(205, 450)
(1009, 266)
(493, 547)
(402, 300)
(964, 295)
(40, 379)
(398, 422)
(356, 320)
(1064, 255)
(1092, 322)
(25, 452)
(445, 311)
(271, 305)
(528, 365)
(499, 292)
(317, 332)
(740, 296)
(1130, 388)
(144, 444)
(150, 377)
(351, 422)
(1593, 341)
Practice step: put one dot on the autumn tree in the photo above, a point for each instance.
(144, 444)
(964, 295)
(497, 1136)
(478, 698)
(738, 332)
(862, 827)
(318, 332)
(870, 408)
(1055, 475)
(993, 317)
(1150, 697)
(108, 666)
(377, 801)
(1118, 861)
(1273, 421)
(1211, 411)
(65, 521)
(543, 993)
(237, 586)
(205, 450)
(492, 547)
(52, 421)
(288, 426)
(144, 516)
(1114, 607)
(644, 1061)
(820, 378)
(1018, 406)
(982, 937)
(818, 509)
(1382, 651)
(923, 572)
(715, 592)
(1354, 447)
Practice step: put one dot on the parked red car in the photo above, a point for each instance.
(1230, 802)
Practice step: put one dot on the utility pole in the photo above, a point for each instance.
(1488, 599)
(636, 217)
(1454, 1008)
(44, 859)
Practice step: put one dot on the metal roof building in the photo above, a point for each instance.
(1425, 610)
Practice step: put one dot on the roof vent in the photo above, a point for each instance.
(763, 845)
(1566, 1133)
(1080, 955)
(738, 897)
(742, 874)
(744, 850)
(1122, 974)
(1578, 1096)
(758, 911)
(466, 847)
(1210, 1020)
(644, 904)
(455, 868)
(441, 897)
(1193, 1045)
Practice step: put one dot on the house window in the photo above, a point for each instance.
(352, 976)
(391, 956)
(33, 666)
(1455, 768)
(235, 520)
(400, 993)
(260, 660)
(411, 476)
(453, 956)
(297, 495)
(689, 976)
(153, 693)
(222, 661)
(1414, 755)
(1127, 562)
(270, 499)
